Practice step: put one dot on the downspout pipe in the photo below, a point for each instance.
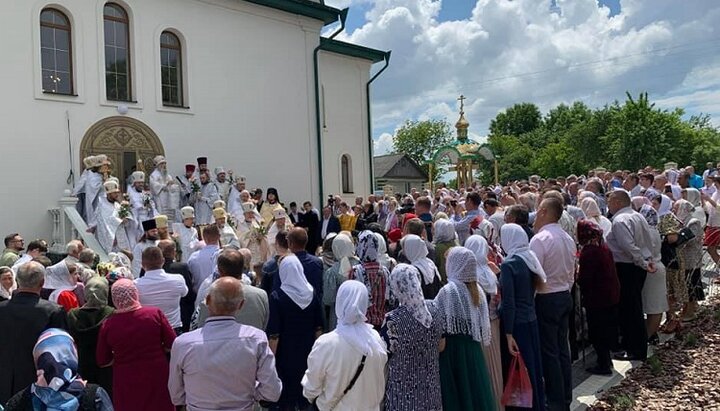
(369, 121)
(318, 124)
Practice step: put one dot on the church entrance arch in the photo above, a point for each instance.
(129, 144)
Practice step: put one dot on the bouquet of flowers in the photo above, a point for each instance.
(103, 269)
(259, 232)
(147, 200)
(231, 222)
(194, 186)
(125, 211)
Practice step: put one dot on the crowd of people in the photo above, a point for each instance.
(216, 297)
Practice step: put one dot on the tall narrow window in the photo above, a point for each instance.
(171, 69)
(56, 52)
(346, 173)
(117, 53)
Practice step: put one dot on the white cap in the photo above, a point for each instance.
(248, 207)
(219, 170)
(187, 212)
(159, 160)
(219, 204)
(279, 213)
(137, 176)
(111, 187)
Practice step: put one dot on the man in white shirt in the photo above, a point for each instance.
(556, 251)
(630, 241)
(224, 365)
(160, 289)
(202, 262)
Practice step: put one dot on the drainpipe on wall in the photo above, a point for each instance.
(369, 121)
(343, 16)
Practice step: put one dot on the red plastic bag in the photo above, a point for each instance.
(518, 391)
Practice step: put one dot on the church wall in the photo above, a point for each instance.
(249, 79)
(345, 122)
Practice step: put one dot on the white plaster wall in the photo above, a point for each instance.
(250, 91)
(346, 132)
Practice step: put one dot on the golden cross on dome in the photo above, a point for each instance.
(462, 99)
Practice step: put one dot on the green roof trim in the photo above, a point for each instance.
(352, 50)
(306, 8)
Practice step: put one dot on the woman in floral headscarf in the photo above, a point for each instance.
(58, 385)
(654, 292)
(374, 275)
(691, 255)
(135, 340)
(413, 335)
(669, 227)
(463, 313)
(600, 288)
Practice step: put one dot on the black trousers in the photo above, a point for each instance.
(630, 310)
(602, 330)
(553, 311)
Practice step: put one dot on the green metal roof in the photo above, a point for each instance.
(306, 8)
(353, 50)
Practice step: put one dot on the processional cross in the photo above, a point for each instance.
(462, 99)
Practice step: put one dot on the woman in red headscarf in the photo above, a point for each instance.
(600, 290)
(135, 340)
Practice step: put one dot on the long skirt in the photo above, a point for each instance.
(494, 361)
(527, 338)
(464, 378)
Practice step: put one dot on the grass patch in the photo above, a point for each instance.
(655, 364)
(622, 401)
(690, 340)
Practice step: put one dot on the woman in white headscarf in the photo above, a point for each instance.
(343, 251)
(693, 196)
(62, 285)
(520, 275)
(487, 278)
(592, 212)
(294, 324)
(414, 339)
(383, 257)
(463, 313)
(416, 252)
(669, 227)
(346, 367)
(444, 238)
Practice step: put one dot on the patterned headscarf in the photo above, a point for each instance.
(459, 314)
(693, 196)
(589, 233)
(125, 296)
(405, 285)
(685, 211)
(367, 248)
(58, 384)
(650, 215)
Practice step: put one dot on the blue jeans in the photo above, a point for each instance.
(553, 312)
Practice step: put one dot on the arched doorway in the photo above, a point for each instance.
(129, 143)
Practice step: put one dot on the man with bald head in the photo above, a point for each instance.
(22, 319)
(225, 365)
(160, 289)
(255, 311)
(630, 241)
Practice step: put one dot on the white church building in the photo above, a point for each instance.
(250, 84)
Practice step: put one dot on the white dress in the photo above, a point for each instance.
(108, 220)
(189, 243)
(654, 292)
(166, 193)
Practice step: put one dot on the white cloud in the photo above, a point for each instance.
(508, 52)
(383, 144)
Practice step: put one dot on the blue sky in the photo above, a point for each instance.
(502, 52)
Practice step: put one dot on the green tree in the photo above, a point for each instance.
(421, 139)
(516, 120)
